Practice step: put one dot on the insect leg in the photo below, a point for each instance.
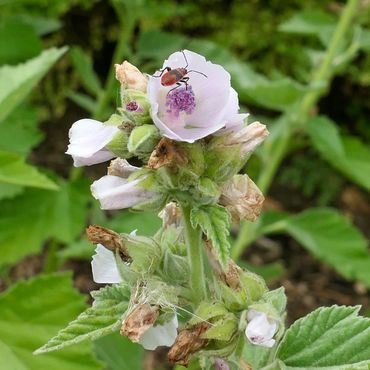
(178, 84)
(185, 81)
(165, 69)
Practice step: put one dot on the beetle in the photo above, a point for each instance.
(176, 76)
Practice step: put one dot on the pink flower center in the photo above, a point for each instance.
(132, 106)
(181, 99)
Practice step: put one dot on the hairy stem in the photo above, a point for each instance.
(193, 237)
(127, 24)
(322, 74)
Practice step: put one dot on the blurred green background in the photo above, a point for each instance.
(301, 67)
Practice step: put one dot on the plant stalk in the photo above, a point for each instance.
(322, 74)
(193, 237)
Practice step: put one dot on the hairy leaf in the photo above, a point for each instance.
(330, 336)
(330, 237)
(346, 153)
(17, 81)
(31, 312)
(103, 318)
(36, 215)
(214, 220)
(14, 170)
(119, 353)
(19, 132)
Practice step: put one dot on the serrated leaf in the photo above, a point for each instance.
(214, 220)
(17, 81)
(31, 312)
(346, 153)
(331, 238)
(19, 132)
(14, 170)
(36, 215)
(328, 337)
(119, 353)
(103, 318)
(84, 67)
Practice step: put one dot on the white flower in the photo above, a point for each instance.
(260, 329)
(115, 192)
(160, 335)
(88, 139)
(104, 266)
(192, 111)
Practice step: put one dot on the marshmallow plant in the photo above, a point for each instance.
(180, 288)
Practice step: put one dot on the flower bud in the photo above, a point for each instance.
(130, 77)
(143, 140)
(242, 198)
(135, 107)
(260, 329)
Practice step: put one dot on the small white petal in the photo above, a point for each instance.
(114, 192)
(160, 335)
(104, 266)
(260, 330)
(87, 138)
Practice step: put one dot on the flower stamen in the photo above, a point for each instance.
(181, 99)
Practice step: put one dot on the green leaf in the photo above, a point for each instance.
(214, 220)
(31, 312)
(13, 170)
(119, 353)
(330, 337)
(18, 42)
(346, 153)
(331, 238)
(310, 22)
(17, 81)
(84, 101)
(103, 318)
(41, 25)
(37, 215)
(146, 224)
(19, 132)
(9, 191)
(84, 67)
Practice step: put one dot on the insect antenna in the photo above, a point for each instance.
(201, 73)
(187, 63)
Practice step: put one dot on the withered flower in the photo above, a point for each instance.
(242, 198)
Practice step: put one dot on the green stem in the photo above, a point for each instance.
(127, 23)
(52, 260)
(322, 74)
(193, 237)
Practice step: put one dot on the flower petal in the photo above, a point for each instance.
(260, 330)
(87, 138)
(114, 192)
(104, 266)
(160, 335)
(211, 96)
